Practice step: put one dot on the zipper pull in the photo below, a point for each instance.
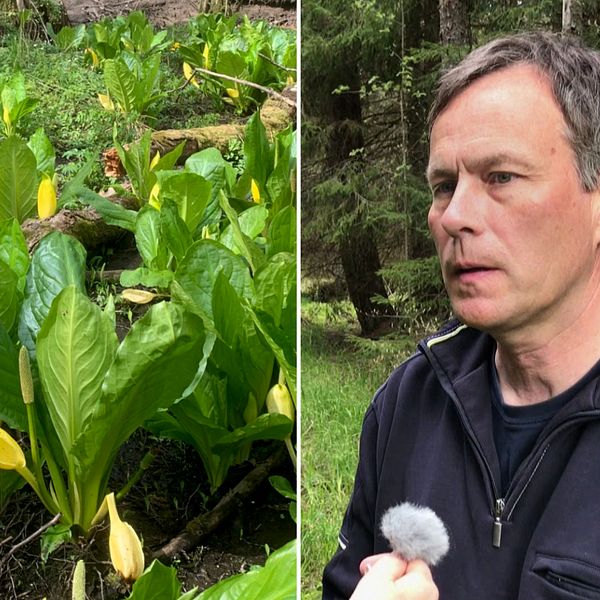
(497, 527)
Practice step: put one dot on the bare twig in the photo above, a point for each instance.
(31, 537)
(265, 57)
(206, 523)
(248, 83)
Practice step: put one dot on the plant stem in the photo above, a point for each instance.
(144, 464)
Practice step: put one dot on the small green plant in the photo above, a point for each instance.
(15, 103)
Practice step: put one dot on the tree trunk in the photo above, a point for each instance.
(454, 22)
(572, 17)
(360, 261)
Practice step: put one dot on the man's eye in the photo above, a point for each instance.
(444, 188)
(501, 177)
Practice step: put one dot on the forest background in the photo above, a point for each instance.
(370, 279)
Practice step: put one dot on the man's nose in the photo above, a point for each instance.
(463, 213)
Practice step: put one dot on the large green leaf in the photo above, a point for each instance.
(43, 151)
(10, 296)
(75, 348)
(174, 230)
(13, 249)
(148, 239)
(58, 261)
(112, 213)
(273, 284)
(259, 157)
(136, 160)
(158, 582)
(18, 179)
(12, 409)
(275, 581)
(153, 366)
(265, 427)
(211, 165)
(120, 83)
(251, 222)
(198, 272)
(189, 191)
(282, 232)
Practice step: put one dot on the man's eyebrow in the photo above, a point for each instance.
(484, 163)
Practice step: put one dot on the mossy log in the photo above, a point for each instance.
(275, 114)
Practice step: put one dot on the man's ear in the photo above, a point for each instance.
(594, 197)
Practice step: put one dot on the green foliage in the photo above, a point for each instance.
(252, 51)
(15, 103)
(18, 179)
(275, 581)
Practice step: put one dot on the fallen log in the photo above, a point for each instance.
(84, 224)
(276, 114)
(197, 529)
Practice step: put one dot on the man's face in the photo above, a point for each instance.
(515, 232)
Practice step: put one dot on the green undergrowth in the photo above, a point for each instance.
(340, 374)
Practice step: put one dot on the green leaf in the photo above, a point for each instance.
(265, 427)
(275, 581)
(232, 64)
(157, 582)
(58, 261)
(211, 165)
(69, 191)
(273, 283)
(13, 250)
(211, 258)
(259, 159)
(52, 538)
(251, 221)
(229, 315)
(75, 347)
(245, 245)
(136, 161)
(282, 232)
(146, 277)
(166, 340)
(148, 239)
(189, 191)
(10, 296)
(113, 214)
(174, 230)
(120, 83)
(12, 409)
(18, 180)
(43, 151)
(283, 486)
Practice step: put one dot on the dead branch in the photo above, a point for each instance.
(197, 529)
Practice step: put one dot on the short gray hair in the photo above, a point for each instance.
(574, 75)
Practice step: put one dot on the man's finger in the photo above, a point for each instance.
(393, 564)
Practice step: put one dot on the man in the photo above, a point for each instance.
(495, 422)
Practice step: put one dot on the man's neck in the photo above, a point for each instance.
(542, 363)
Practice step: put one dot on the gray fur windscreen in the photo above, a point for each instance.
(415, 532)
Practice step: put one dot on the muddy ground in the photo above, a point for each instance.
(168, 12)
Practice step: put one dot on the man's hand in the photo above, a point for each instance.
(389, 577)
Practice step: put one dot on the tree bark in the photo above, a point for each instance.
(572, 13)
(454, 22)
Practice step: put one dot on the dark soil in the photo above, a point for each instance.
(172, 491)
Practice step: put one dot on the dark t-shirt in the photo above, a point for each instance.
(516, 428)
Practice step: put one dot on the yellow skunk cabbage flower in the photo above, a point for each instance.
(280, 401)
(255, 191)
(153, 199)
(155, 160)
(46, 198)
(106, 101)
(6, 115)
(94, 56)
(189, 74)
(205, 56)
(11, 455)
(233, 93)
(125, 547)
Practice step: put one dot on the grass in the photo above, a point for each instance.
(340, 374)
